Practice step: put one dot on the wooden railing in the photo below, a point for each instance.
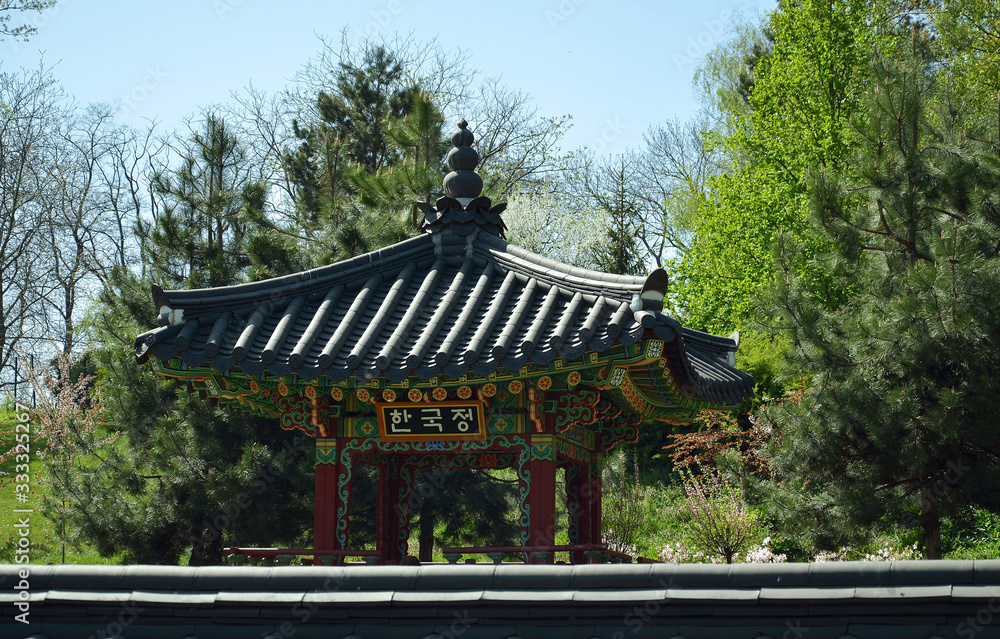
(283, 556)
(594, 553)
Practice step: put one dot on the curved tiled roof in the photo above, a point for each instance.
(458, 299)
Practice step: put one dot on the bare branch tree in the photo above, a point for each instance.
(517, 146)
(91, 199)
(32, 106)
(428, 65)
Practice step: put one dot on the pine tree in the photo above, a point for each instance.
(349, 143)
(461, 507)
(418, 140)
(611, 191)
(211, 229)
(900, 414)
(182, 478)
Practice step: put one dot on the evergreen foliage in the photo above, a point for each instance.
(183, 476)
(188, 475)
(211, 230)
(418, 139)
(463, 507)
(617, 200)
(900, 412)
(339, 168)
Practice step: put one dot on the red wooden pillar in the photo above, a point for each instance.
(542, 469)
(325, 497)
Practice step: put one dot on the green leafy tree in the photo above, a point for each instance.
(900, 413)
(969, 42)
(800, 98)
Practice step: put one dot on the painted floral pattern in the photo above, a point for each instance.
(464, 392)
(544, 383)
(415, 395)
(515, 387)
(389, 395)
(364, 395)
(573, 378)
(488, 390)
(439, 394)
(337, 394)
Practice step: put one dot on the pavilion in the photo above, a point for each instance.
(453, 349)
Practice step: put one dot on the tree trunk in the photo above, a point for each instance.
(426, 552)
(208, 550)
(930, 520)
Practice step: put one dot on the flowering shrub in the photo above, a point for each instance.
(764, 555)
(892, 553)
(680, 554)
(821, 556)
(721, 521)
(69, 414)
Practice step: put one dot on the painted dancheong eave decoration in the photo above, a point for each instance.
(558, 363)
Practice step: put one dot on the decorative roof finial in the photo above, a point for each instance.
(463, 183)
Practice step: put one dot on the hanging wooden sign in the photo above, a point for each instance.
(403, 421)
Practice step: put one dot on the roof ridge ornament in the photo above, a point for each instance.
(455, 219)
(463, 183)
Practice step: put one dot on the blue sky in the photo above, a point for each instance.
(616, 67)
